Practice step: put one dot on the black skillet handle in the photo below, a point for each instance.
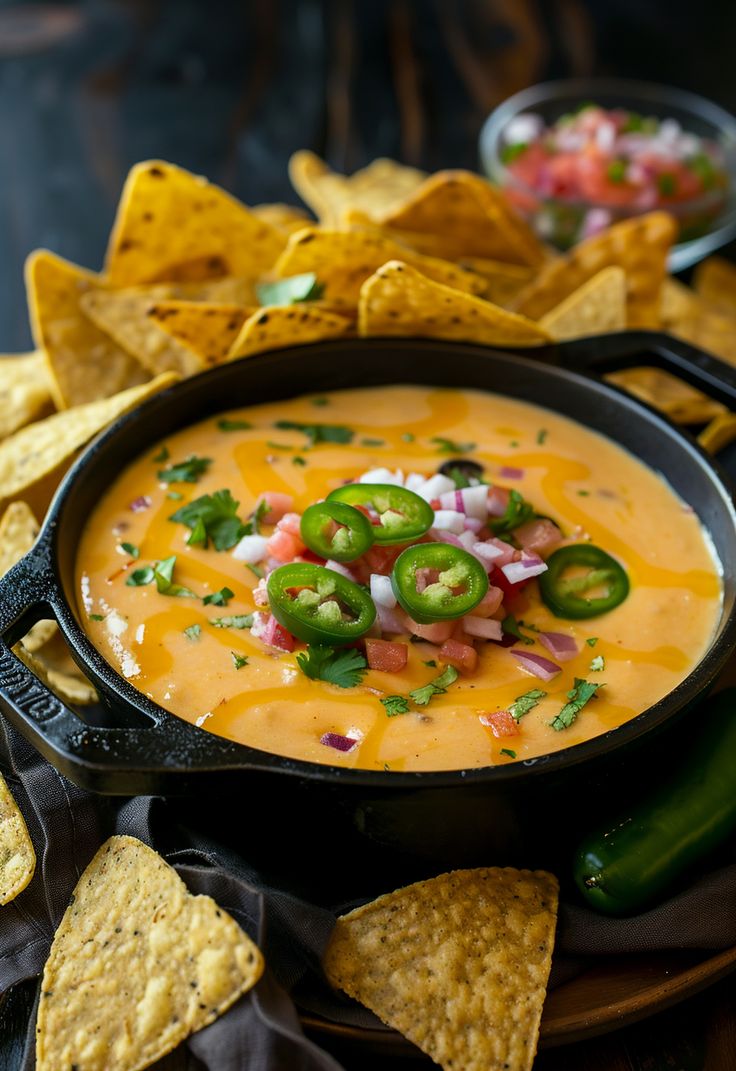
(629, 349)
(120, 760)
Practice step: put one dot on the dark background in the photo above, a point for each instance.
(230, 88)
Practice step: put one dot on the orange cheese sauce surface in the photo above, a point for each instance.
(589, 485)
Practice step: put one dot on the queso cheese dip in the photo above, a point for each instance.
(200, 631)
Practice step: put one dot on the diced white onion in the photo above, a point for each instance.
(414, 480)
(449, 520)
(381, 591)
(523, 570)
(475, 501)
(487, 551)
(383, 476)
(250, 549)
(435, 486)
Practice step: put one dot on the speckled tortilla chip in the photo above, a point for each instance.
(71, 686)
(681, 402)
(373, 190)
(18, 532)
(17, 857)
(398, 300)
(598, 307)
(467, 217)
(714, 280)
(343, 260)
(33, 460)
(287, 325)
(503, 281)
(85, 364)
(137, 964)
(168, 217)
(205, 329)
(640, 246)
(284, 217)
(458, 964)
(25, 390)
(711, 331)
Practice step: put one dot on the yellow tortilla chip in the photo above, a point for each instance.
(677, 399)
(714, 281)
(85, 363)
(71, 686)
(137, 964)
(287, 325)
(595, 308)
(17, 857)
(373, 190)
(503, 281)
(468, 218)
(639, 246)
(25, 390)
(207, 330)
(168, 217)
(711, 331)
(18, 532)
(343, 260)
(677, 302)
(398, 300)
(284, 217)
(33, 460)
(458, 964)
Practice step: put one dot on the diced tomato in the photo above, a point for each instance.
(500, 722)
(387, 656)
(459, 634)
(275, 635)
(309, 556)
(498, 500)
(541, 536)
(291, 523)
(489, 604)
(510, 591)
(278, 504)
(284, 546)
(460, 655)
(381, 559)
(437, 633)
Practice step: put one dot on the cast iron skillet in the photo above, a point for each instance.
(135, 747)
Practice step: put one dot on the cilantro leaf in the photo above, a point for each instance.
(298, 460)
(175, 496)
(517, 512)
(507, 751)
(542, 436)
(421, 696)
(291, 290)
(407, 437)
(256, 570)
(235, 621)
(193, 632)
(526, 702)
(431, 663)
(187, 471)
(395, 704)
(598, 663)
(218, 598)
(372, 442)
(226, 424)
(510, 626)
(578, 696)
(131, 549)
(239, 660)
(344, 668)
(97, 617)
(139, 577)
(319, 433)
(449, 446)
(214, 516)
(162, 455)
(163, 572)
(592, 641)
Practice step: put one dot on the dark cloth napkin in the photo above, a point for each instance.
(262, 1032)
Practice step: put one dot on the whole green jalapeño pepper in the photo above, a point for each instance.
(400, 514)
(438, 582)
(317, 605)
(566, 595)
(336, 530)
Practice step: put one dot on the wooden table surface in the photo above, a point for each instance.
(230, 88)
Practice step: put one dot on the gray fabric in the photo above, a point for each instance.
(262, 1031)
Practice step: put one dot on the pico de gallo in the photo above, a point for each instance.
(587, 169)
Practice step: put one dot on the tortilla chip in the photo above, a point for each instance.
(25, 390)
(714, 281)
(343, 260)
(33, 460)
(287, 325)
(85, 363)
(458, 964)
(137, 964)
(503, 281)
(720, 432)
(639, 246)
(711, 331)
(17, 857)
(284, 217)
(468, 218)
(373, 190)
(168, 217)
(677, 302)
(70, 687)
(398, 300)
(18, 532)
(672, 396)
(207, 330)
(598, 307)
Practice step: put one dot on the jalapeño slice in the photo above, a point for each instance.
(438, 582)
(317, 605)
(400, 515)
(336, 530)
(566, 596)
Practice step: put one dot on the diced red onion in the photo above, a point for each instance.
(511, 472)
(388, 619)
(529, 565)
(473, 524)
(338, 742)
(338, 567)
(250, 549)
(468, 540)
(138, 505)
(537, 665)
(382, 592)
(443, 536)
(559, 644)
(484, 627)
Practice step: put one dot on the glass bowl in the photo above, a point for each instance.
(706, 223)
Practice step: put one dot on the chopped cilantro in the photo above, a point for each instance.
(507, 751)
(372, 442)
(583, 493)
(97, 617)
(422, 696)
(343, 668)
(218, 598)
(431, 663)
(163, 572)
(517, 512)
(236, 621)
(130, 548)
(175, 496)
(513, 443)
(256, 571)
(578, 696)
(193, 632)
(226, 424)
(509, 153)
(187, 471)
(458, 477)
(213, 517)
(299, 460)
(592, 641)
(239, 660)
(704, 168)
(511, 626)
(542, 436)
(318, 433)
(667, 184)
(320, 401)
(278, 446)
(526, 702)
(162, 455)
(616, 171)
(395, 704)
(407, 437)
(449, 446)
(290, 291)
(598, 663)
(139, 577)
